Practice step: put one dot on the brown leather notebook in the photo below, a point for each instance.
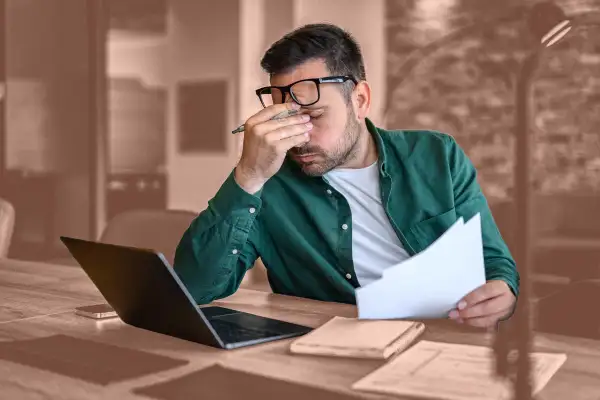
(351, 337)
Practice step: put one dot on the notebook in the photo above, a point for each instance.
(351, 337)
(453, 372)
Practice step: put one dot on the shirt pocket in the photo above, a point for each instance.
(428, 231)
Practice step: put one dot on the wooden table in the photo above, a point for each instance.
(37, 301)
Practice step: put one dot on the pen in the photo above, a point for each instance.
(283, 114)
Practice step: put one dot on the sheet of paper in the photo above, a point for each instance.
(453, 372)
(432, 282)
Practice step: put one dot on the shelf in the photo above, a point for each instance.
(568, 243)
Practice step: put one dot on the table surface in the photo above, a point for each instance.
(37, 301)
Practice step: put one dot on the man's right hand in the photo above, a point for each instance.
(266, 143)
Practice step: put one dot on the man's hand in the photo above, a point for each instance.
(486, 305)
(266, 143)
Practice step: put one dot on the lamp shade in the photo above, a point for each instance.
(548, 23)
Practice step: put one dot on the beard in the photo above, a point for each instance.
(344, 150)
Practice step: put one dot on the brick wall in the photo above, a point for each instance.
(466, 88)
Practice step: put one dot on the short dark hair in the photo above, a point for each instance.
(338, 48)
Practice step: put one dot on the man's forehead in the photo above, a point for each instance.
(308, 70)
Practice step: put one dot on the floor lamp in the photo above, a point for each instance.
(548, 24)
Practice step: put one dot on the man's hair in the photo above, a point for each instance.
(340, 51)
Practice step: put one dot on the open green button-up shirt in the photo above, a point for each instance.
(301, 227)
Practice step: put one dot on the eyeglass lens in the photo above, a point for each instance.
(305, 93)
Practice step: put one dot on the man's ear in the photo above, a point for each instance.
(362, 99)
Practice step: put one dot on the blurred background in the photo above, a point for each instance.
(113, 106)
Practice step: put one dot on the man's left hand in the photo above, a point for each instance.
(486, 305)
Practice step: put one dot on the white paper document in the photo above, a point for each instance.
(453, 372)
(431, 283)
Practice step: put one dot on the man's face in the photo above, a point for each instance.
(336, 129)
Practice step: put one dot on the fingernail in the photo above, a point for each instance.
(305, 117)
(309, 125)
(295, 106)
(453, 314)
(462, 304)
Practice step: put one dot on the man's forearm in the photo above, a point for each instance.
(216, 251)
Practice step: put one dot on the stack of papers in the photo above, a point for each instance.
(453, 372)
(431, 283)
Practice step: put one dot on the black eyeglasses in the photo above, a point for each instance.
(305, 92)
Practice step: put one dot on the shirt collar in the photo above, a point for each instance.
(381, 151)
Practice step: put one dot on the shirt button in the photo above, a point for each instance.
(234, 251)
(348, 276)
(252, 210)
(345, 226)
(329, 191)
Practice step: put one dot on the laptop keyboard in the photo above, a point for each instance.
(231, 332)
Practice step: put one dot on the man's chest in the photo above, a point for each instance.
(326, 212)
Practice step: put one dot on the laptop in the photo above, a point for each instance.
(144, 290)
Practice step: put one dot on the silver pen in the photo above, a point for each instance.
(283, 114)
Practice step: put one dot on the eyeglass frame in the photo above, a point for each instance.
(317, 81)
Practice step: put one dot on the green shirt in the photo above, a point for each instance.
(294, 223)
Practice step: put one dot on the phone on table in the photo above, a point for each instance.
(96, 311)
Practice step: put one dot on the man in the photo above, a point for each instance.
(327, 200)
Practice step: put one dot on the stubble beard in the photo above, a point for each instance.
(344, 151)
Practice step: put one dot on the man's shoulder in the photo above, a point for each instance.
(416, 136)
(424, 143)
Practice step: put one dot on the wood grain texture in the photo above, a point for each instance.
(37, 301)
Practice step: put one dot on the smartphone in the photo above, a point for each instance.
(97, 311)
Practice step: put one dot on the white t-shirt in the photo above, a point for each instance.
(375, 245)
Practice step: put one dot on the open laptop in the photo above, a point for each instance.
(145, 292)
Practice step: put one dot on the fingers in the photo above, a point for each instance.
(287, 131)
(494, 305)
(269, 112)
(283, 139)
(277, 124)
(486, 305)
(492, 288)
(285, 144)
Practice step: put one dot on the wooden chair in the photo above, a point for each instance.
(161, 230)
(7, 226)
